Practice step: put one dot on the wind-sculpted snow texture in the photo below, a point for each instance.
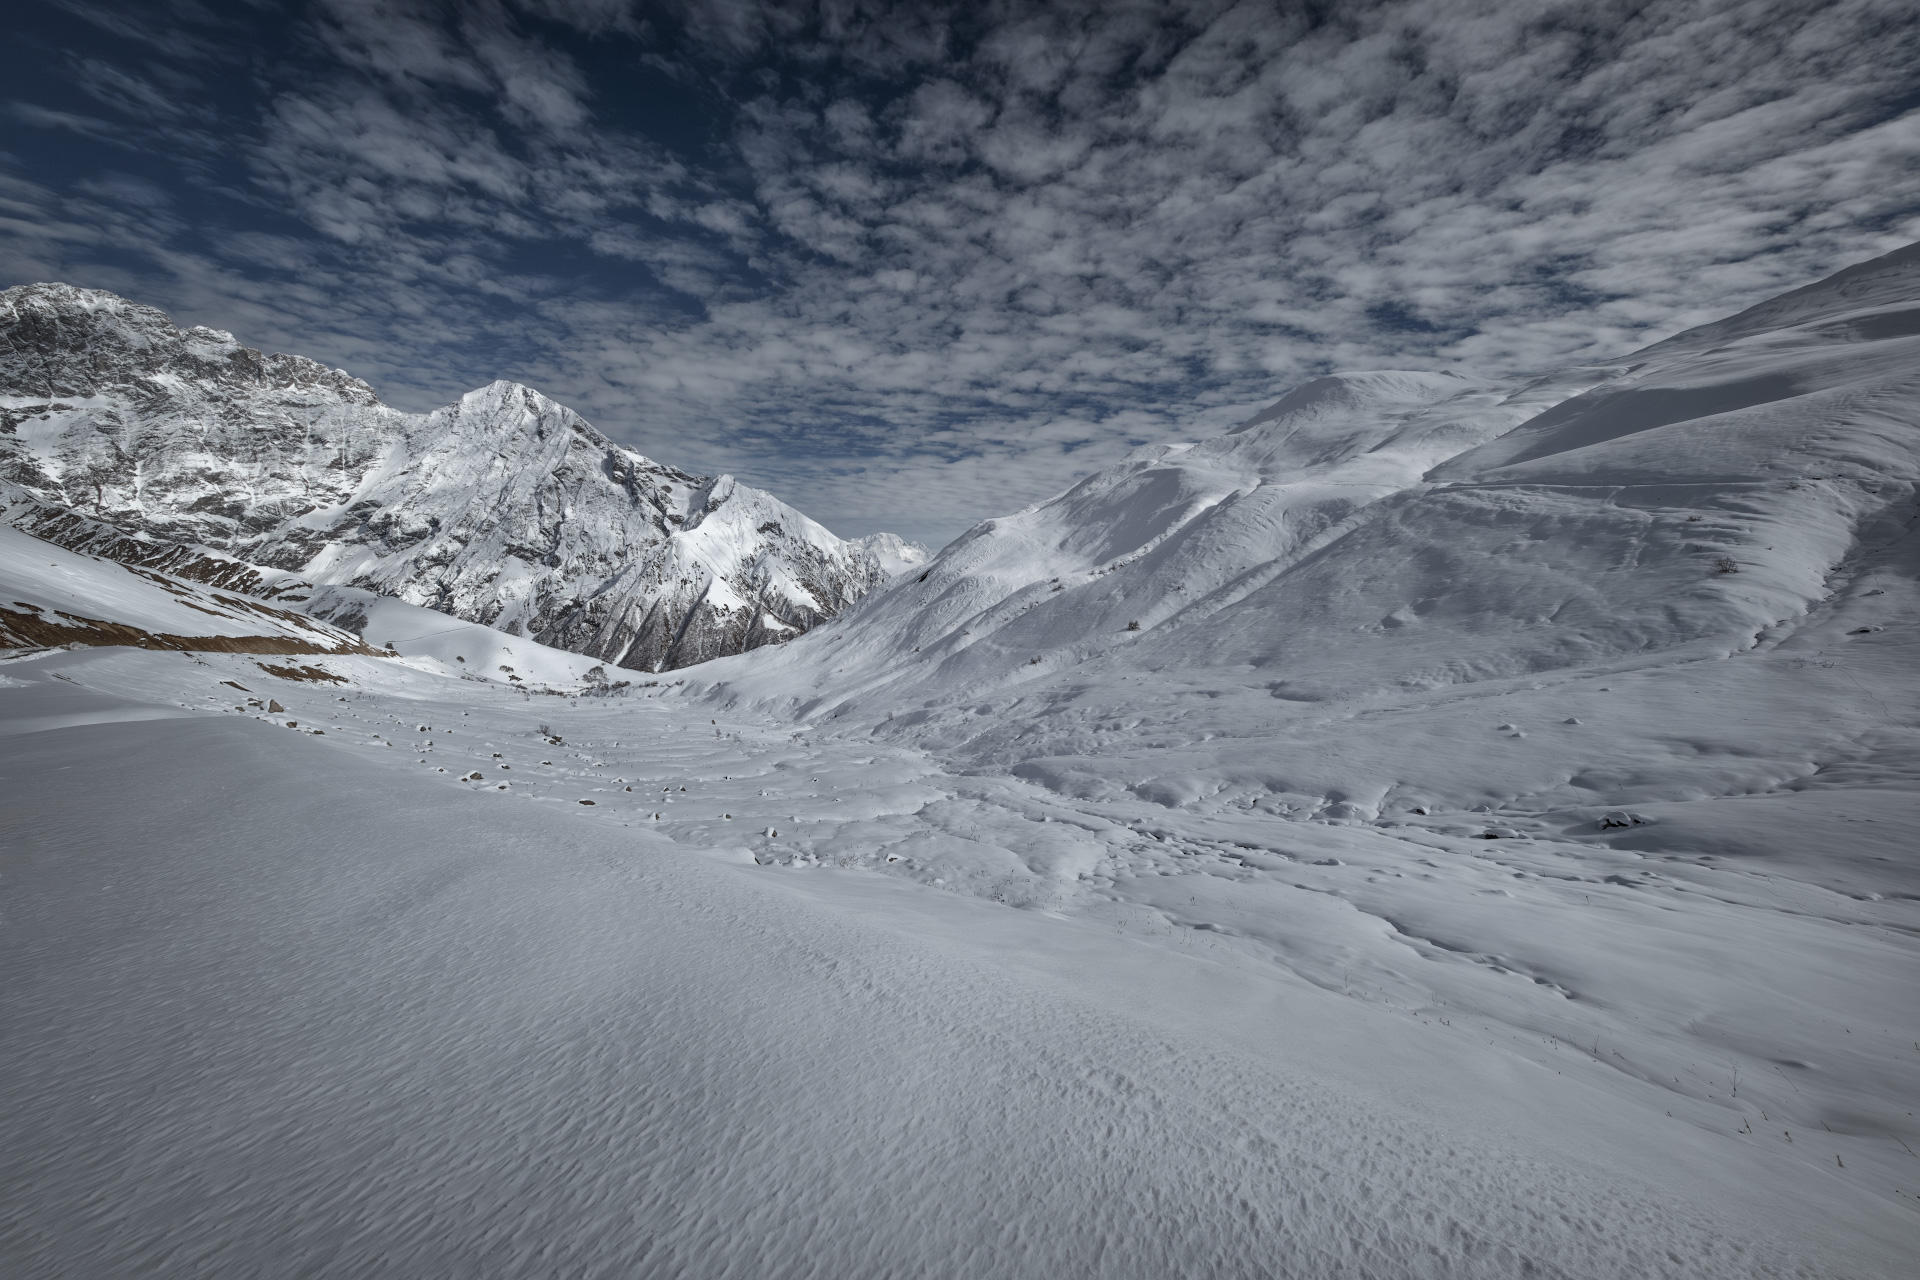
(505, 509)
(402, 974)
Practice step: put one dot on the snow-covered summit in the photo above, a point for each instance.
(505, 509)
(895, 553)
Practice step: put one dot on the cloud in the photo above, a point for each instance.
(912, 265)
(34, 116)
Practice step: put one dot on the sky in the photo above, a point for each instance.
(915, 265)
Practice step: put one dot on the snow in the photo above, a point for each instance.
(433, 641)
(302, 1010)
(1459, 871)
(39, 580)
(895, 553)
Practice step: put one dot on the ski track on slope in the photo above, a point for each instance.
(1192, 1138)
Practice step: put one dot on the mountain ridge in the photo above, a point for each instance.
(504, 508)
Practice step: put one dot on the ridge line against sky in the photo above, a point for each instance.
(913, 265)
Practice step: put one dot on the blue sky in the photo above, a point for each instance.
(914, 265)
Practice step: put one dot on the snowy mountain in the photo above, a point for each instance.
(505, 509)
(1386, 534)
(1580, 710)
(895, 554)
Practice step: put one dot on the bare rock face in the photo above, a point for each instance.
(505, 509)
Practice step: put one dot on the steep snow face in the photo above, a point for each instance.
(505, 509)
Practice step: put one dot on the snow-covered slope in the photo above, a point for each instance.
(390, 983)
(52, 597)
(1587, 709)
(505, 509)
(1174, 532)
(123, 588)
(1377, 534)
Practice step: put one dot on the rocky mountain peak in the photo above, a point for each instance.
(505, 508)
(57, 340)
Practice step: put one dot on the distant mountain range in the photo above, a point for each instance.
(124, 435)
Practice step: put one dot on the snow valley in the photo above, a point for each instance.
(1440, 827)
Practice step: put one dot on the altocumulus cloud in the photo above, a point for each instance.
(915, 264)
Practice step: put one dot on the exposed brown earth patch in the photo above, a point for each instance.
(20, 630)
(311, 675)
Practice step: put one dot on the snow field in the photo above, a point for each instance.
(1617, 989)
(279, 1005)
